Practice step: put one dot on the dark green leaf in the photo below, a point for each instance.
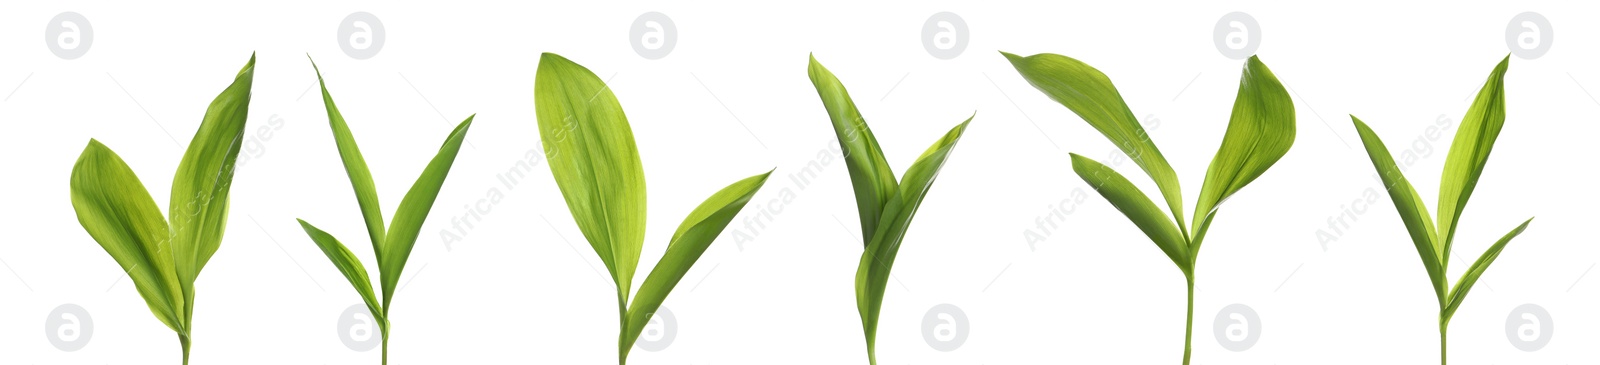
(1412, 211)
(870, 175)
(1090, 94)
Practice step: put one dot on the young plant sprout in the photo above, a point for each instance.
(590, 148)
(1468, 154)
(163, 256)
(391, 245)
(1259, 133)
(886, 205)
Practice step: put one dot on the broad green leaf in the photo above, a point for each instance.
(591, 152)
(870, 175)
(1090, 94)
(356, 167)
(199, 205)
(1470, 152)
(414, 209)
(1412, 211)
(1137, 207)
(692, 238)
(117, 211)
(872, 273)
(348, 265)
(1259, 133)
(1459, 292)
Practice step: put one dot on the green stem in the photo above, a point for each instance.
(622, 322)
(184, 340)
(1188, 327)
(385, 334)
(872, 356)
(1442, 331)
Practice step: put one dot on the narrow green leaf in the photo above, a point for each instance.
(1412, 210)
(872, 273)
(348, 265)
(1470, 152)
(1259, 133)
(356, 167)
(114, 207)
(870, 175)
(1137, 206)
(414, 209)
(1459, 292)
(698, 230)
(591, 152)
(1090, 94)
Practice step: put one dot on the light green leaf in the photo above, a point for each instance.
(348, 265)
(692, 238)
(872, 273)
(1090, 94)
(356, 167)
(1459, 292)
(1412, 211)
(114, 207)
(1470, 152)
(873, 180)
(1259, 133)
(414, 209)
(1134, 204)
(199, 205)
(591, 152)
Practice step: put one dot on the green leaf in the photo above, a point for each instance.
(1459, 292)
(872, 273)
(1259, 133)
(1090, 94)
(1412, 210)
(873, 180)
(1470, 152)
(348, 265)
(1134, 204)
(698, 230)
(114, 207)
(414, 209)
(199, 205)
(356, 167)
(591, 152)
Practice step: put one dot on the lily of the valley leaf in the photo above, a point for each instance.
(885, 204)
(391, 245)
(164, 256)
(589, 145)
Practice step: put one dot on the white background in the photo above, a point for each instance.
(732, 100)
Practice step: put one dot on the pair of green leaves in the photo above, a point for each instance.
(1260, 131)
(590, 148)
(1468, 155)
(393, 245)
(886, 205)
(164, 256)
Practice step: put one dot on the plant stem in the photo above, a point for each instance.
(1442, 331)
(622, 322)
(184, 340)
(1188, 327)
(385, 340)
